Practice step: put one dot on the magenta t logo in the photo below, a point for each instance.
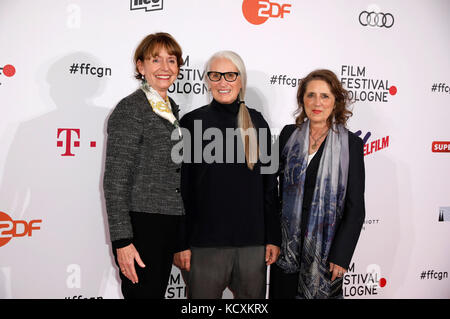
(68, 140)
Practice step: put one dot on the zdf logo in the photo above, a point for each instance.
(258, 11)
(15, 228)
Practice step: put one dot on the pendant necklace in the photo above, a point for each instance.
(314, 146)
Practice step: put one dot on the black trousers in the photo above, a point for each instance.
(282, 285)
(155, 239)
(285, 286)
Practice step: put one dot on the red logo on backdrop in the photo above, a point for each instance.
(376, 145)
(259, 11)
(8, 70)
(10, 228)
(440, 147)
(68, 141)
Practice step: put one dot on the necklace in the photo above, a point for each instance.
(314, 146)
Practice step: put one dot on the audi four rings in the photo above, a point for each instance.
(376, 19)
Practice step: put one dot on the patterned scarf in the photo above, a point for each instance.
(309, 255)
(159, 105)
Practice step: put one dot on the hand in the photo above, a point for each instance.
(272, 253)
(337, 271)
(126, 257)
(182, 260)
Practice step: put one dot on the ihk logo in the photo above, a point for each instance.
(259, 11)
(10, 228)
(148, 5)
(69, 133)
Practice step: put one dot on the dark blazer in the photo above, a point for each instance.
(349, 228)
(139, 173)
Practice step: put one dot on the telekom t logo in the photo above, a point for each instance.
(69, 132)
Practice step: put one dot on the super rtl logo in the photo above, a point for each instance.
(10, 228)
(259, 11)
(440, 147)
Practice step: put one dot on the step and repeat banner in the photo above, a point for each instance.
(64, 65)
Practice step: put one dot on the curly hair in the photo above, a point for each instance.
(340, 113)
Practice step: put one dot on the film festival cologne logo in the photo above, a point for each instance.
(259, 11)
(363, 87)
(363, 283)
(10, 228)
(190, 80)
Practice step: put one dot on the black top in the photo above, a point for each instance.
(226, 204)
(349, 228)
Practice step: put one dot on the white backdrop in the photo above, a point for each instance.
(53, 228)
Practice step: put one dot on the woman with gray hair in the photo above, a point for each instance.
(232, 231)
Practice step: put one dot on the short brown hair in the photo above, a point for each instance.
(342, 99)
(152, 44)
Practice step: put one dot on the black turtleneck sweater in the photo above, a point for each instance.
(227, 204)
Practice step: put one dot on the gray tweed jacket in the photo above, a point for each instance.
(139, 173)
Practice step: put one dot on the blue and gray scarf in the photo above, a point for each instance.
(309, 255)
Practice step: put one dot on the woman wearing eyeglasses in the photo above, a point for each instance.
(232, 227)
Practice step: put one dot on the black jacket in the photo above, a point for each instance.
(139, 173)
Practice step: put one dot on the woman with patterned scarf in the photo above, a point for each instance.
(141, 182)
(322, 193)
(232, 229)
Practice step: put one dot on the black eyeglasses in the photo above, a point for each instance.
(228, 76)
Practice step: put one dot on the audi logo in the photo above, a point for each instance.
(376, 19)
